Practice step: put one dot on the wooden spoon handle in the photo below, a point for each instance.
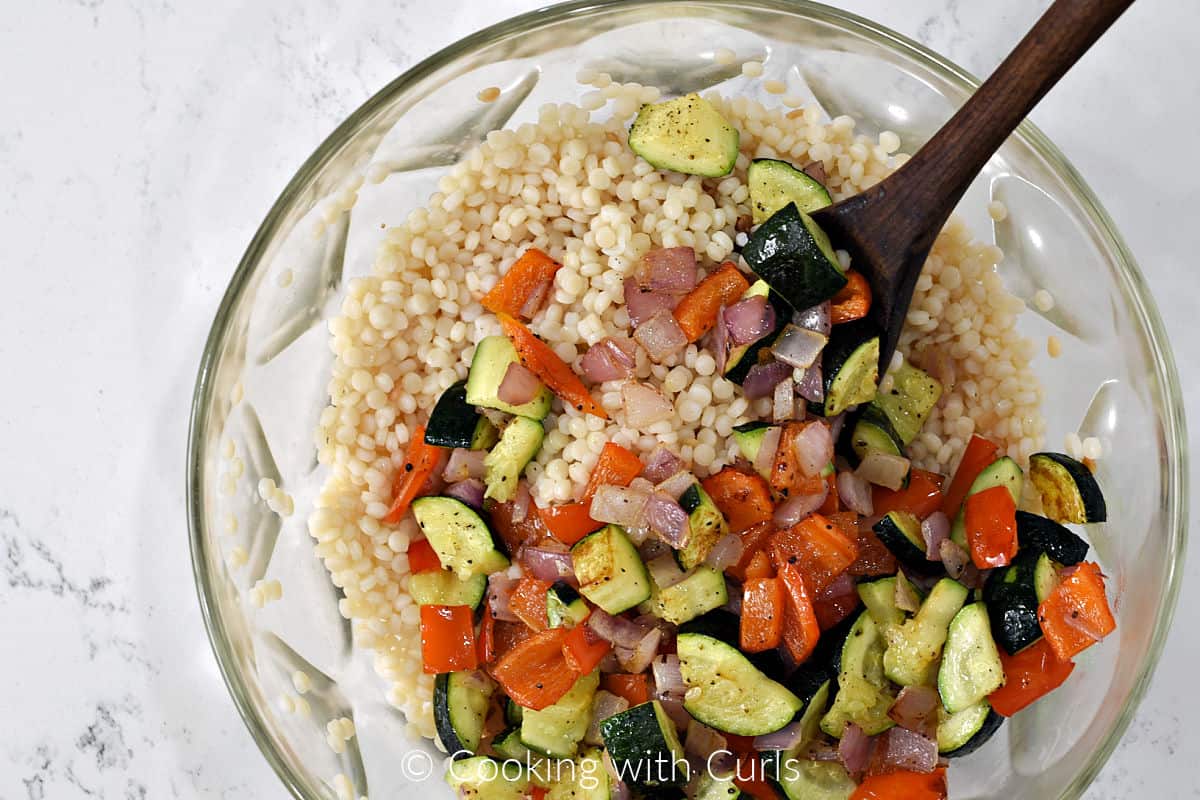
(943, 169)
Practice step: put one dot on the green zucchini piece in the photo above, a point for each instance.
(793, 255)
(913, 395)
(823, 665)
(644, 746)
(700, 592)
(774, 183)
(686, 134)
(564, 606)
(913, 647)
(900, 532)
(460, 705)
(1001, 472)
(513, 713)
(749, 438)
(483, 778)
(864, 694)
(712, 787)
(1012, 602)
(1068, 488)
(492, 357)
(879, 596)
(507, 744)
(519, 444)
(1045, 576)
(459, 536)
(707, 525)
(804, 779)
(971, 667)
(610, 570)
(587, 780)
(873, 431)
(1047, 536)
(726, 627)
(965, 732)
(851, 367)
(444, 588)
(455, 423)
(727, 692)
(556, 730)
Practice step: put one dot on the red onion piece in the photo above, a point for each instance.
(667, 519)
(464, 464)
(749, 320)
(702, 741)
(675, 710)
(677, 484)
(652, 549)
(610, 359)
(718, 341)
(855, 492)
(668, 680)
(621, 632)
(762, 379)
(548, 565)
(813, 447)
(843, 586)
(470, 491)
(670, 269)
(522, 503)
(783, 404)
(936, 529)
(854, 749)
(765, 457)
(500, 589)
(604, 705)
(638, 658)
(642, 304)
(818, 318)
(660, 336)
(619, 505)
(644, 405)
(665, 571)
(519, 385)
(816, 171)
(916, 708)
(725, 553)
(903, 749)
(958, 563)
(884, 469)
(661, 464)
(535, 300)
(799, 347)
(812, 386)
(734, 592)
(782, 739)
(905, 597)
(797, 507)
(823, 752)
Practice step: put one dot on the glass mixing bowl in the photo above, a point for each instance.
(262, 382)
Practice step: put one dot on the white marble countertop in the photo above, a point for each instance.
(141, 144)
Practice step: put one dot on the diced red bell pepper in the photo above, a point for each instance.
(448, 639)
(991, 521)
(697, 311)
(528, 602)
(800, 627)
(584, 650)
(528, 278)
(817, 547)
(744, 499)
(759, 567)
(903, 786)
(852, 301)
(754, 540)
(540, 358)
(762, 614)
(788, 478)
(921, 497)
(979, 453)
(1076, 615)
(569, 523)
(535, 673)
(419, 464)
(1029, 676)
(423, 558)
(616, 466)
(634, 688)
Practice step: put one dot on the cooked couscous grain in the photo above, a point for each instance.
(1042, 300)
(238, 557)
(723, 55)
(1092, 448)
(1053, 346)
(265, 591)
(752, 69)
(997, 211)
(489, 95)
(774, 87)
(301, 682)
(286, 276)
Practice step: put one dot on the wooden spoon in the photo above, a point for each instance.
(889, 229)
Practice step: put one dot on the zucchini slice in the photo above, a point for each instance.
(1058, 542)
(727, 692)
(712, 787)
(557, 729)
(492, 357)
(1045, 577)
(724, 626)
(513, 713)
(1012, 602)
(965, 732)
(749, 437)
(644, 746)
(483, 778)
(793, 255)
(460, 705)
(507, 744)
(700, 592)
(586, 780)
(900, 532)
(913, 395)
(864, 694)
(1001, 472)
(823, 665)
(519, 443)
(686, 134)
(873, 431)
(444, 588)
(850, 364)
(742, 357)
(707, 525)
(459, 536)
(564, 606)
(971, 667)
(610, 570)
(879, 596)
(774, 183)
(914, 646)
(455, 423)
(1069, 490)
(804, 779)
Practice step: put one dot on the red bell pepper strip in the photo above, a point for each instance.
(538, 792)
(754, 539)
(762, 614)
(874, 558)
(529, 276)
(759, 567)
(419, 464)
(991, 520)
(528, 602)
(903, 786)
(615, 467)
(487, 637)
(541, 359)
(1029, 676)
(800, 627)
(744, 500)
(833, 502)
(535, 673)
(513, 533)
(448, 639)
(818, 548)
(921, 497)
(634, 688)
(584, 650)
(1076, 614)
(697, 311)
(423, 558)
(787, 477)
(979, 453)
(569, 523)
(852, 301)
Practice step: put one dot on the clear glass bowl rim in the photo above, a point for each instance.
(1133, 285)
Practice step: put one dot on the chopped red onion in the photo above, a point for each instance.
(675, 710)
(783, 739)
(609, 359)
(813, 448)
(916, 708)
(765, 458)
(642, 304)
(811, 385)
(652, 549)
(843, 586)
(734, 592)
(464, 464)
(718, 341)
(816, 171)
(854, 749)
(702, 741)
(749, 320)
(677, 484)
(667, 519)
(822, 751)
(903, 749)
(621, 632)
(519, 385)
(660, 336)
(818, 318)
(799, 347)
(522, 503)
(884, 469)
(548, 565)
(661, 464)
(799, 506)
(671, 269)
(725, 553)
(638, 658)
(954, 557)
(665, 571)
(500, 589)
(783, 404)
(762, 379)
(644, 405)
(535, 300)
(836, 424)
(935, 529)
(668, 679)
(604, 705)
(855, 493)
(905, 596)
(470, 491)
(618, 505)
